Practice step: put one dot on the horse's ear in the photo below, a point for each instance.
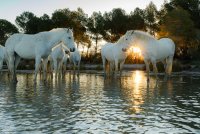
(71, 28)
(132, 32)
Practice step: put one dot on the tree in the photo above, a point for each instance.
(136, 20)
(192, 6)
(150, 18)
(96, 27)
(46, 23)
(178, 26)
(28, 23)
(116, 23)
(6, 30)
(79, 21)
(61, 18)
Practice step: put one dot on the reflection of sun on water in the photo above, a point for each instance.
(136, 92)
(137, 78)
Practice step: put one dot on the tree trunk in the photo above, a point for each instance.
(96, 40)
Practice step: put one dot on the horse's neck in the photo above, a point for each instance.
(54, 39)
(119, 45)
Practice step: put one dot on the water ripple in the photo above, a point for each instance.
(91, 104)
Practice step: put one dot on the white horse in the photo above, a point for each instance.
(75, 59)
(154, 50)
(115, 53)
(3, 56)
(65, 59)
(57, 57)
(36, 46)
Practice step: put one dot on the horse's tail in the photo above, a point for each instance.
(169, 65)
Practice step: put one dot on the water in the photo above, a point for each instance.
(91, 104)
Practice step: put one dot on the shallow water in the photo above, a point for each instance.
(91, 104)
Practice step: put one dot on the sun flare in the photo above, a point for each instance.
(136, 50)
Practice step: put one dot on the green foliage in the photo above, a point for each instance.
(6, 29)
(178, 26)
(28, 23)
(150, 14)
(136, 20)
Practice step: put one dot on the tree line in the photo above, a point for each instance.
(177, 19)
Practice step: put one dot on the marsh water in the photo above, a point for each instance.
(91, 104)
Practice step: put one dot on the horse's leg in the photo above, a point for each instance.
(1, 65)
(104, 65)
(110, 68)
(7, 63)
(17, 60)
(12, 67)
(64, 67)
(116, 67)
(37, 65)
(164, 63)
(147, 68)
(52, 67)
(155, 69)
(45, 61)
(168, 69)
(60, 67)
(79, 67)
(74, 66)
(55, 66)
(121, 67)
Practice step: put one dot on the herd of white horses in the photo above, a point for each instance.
(57, 46)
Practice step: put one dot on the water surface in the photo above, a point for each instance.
(91, 104)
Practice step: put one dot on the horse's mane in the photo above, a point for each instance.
(144, 35)
(58, 29)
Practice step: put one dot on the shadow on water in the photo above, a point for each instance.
(88, 103)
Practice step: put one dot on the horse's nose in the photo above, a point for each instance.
(72, 49)
(67, 52)
(124, 49)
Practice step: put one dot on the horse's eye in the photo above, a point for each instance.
(69, 37)
(126, 39)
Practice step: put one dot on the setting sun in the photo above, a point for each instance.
(136, 50)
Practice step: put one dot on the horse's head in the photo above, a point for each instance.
(129, 37)
(127, 40)
(68, 39)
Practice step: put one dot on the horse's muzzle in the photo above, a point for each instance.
(124, 49)
(67, 52)
(72, 49)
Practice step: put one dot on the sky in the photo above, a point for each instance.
(9, 9)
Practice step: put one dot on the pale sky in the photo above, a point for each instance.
(9, 9)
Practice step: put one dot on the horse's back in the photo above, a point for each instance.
(13, 39)
(166, 46)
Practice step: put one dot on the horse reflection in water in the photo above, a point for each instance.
(90, 103)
